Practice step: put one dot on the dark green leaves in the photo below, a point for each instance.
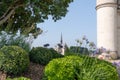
(27, 13)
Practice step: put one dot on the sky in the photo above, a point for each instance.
(79, 21)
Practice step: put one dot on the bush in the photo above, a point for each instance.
(54, 53)
(19, 78)
(43, 55)
(79, 68)
(13, 60)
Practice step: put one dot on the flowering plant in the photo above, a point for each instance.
(117, 64)
(86, 44)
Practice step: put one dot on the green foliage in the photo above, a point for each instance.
(7, 39)
(54, 53)
(25, 14)
(67, 50)
(13, 60)
(79, 68)
(76, 50)
(79, 50)
(43, 55)
(19, 78)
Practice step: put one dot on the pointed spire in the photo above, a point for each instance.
(61, 41)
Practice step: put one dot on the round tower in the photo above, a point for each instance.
(107, 24)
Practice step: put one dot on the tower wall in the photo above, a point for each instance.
(118, 32)
(107, 24)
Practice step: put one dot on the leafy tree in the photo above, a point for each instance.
(24, 15)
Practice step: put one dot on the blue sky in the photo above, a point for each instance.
(79, 21)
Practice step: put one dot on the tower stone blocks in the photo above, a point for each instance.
(108, 25)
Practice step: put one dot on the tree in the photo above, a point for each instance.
(24, 15)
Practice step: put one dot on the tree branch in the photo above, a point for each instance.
(6, 17)
(8, 14)
(5, 13)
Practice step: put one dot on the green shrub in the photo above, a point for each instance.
(67, 51)
(79, 68)
(54, 53)
(43, 55)
(19, 78)
(13, 60)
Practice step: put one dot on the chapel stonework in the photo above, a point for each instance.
(108, 25)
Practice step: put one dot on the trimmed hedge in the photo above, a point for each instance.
(13, 60)
(43, 55)
(79, 68)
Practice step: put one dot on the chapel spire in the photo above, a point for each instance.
(61, 41)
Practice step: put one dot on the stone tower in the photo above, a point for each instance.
(60, 48)
(108, 25)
